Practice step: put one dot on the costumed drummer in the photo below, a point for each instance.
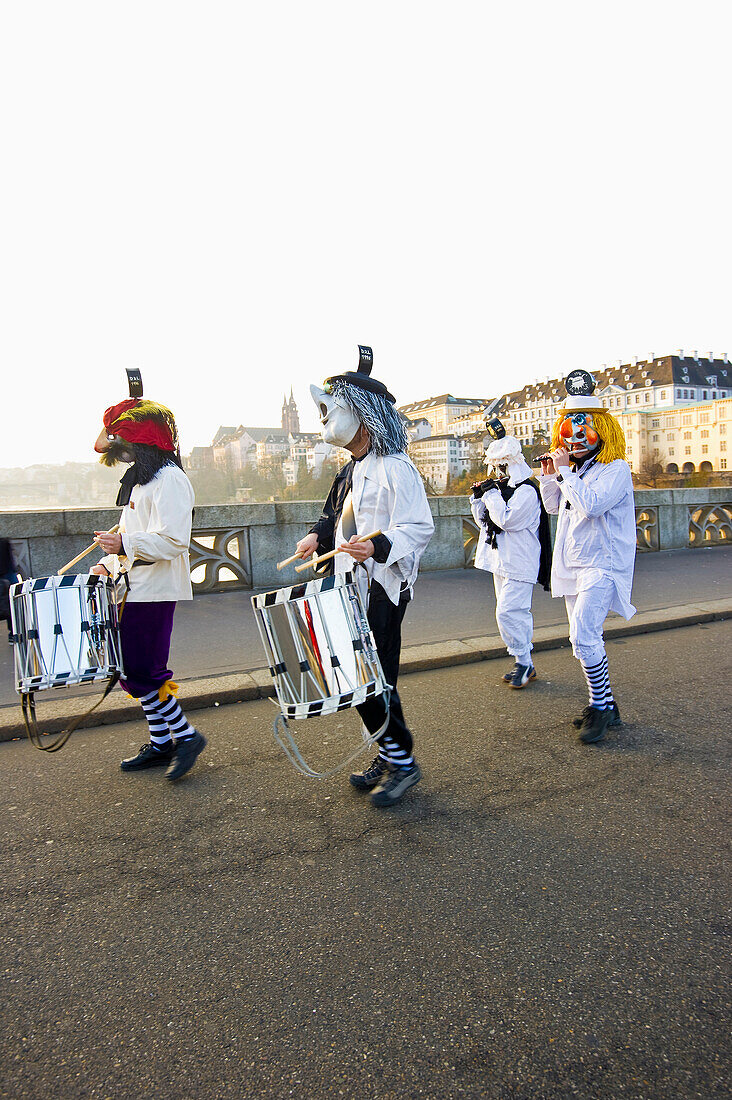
(379, 489)
(514, 545)
(149, 554)
(587, 481)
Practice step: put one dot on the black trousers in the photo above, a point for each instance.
(385, 620)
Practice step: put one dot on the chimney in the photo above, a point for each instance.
(724, 357)
(635, 360)
(651, 357)
(680, 353)
(694, 356)
(711, 356)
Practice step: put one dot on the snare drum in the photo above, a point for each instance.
(319, 646)
(64, 632)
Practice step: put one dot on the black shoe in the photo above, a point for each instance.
(508, 676)
(521, 676)
(370, 777)
(614, 721)
(595, 725)
(148, 757)
(395, 784)
(185, 755)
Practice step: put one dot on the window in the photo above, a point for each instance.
(687, 435)
(655, 439)
(637, 399)
(722, 429)
(670, 450)
(692, 394)
(686, 420)
(704, 395)
(678, 393)
(704, 418)
(723, 463)
(655, 422)
(664, 395)
(723, 445)
(687, 450)
(705, 434)
(714, 395)
(672, 435)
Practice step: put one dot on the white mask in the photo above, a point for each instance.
(338, 421)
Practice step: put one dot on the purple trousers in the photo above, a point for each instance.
(145, 630)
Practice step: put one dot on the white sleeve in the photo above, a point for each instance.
(551, 494)
(410, 525)
(599, 496)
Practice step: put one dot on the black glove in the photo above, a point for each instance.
(481, 487)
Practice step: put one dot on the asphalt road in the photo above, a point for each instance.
(537, 918)
(217, 633)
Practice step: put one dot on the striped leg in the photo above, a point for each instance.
(159, 733)
(176, 720)
(598, 684)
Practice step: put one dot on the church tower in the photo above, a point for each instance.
(290, 415)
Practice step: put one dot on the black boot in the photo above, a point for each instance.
(595, 725)
(370, 777)
(148, 757)
(185, 755)
(614, 721)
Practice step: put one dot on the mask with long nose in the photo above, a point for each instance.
(338, 422)
(578, 435)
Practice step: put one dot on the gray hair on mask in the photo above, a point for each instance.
(379, 416)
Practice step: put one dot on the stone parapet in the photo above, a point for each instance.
(239, 545)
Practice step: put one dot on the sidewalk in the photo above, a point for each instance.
(217, 655)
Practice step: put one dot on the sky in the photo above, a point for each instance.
(232, 196)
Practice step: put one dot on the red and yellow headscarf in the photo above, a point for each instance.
(139, 421)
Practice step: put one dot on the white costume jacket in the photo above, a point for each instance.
(156, 531)
(388, 495)
(596, 535)
(517, 552)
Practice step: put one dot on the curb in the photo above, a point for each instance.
(243, 687)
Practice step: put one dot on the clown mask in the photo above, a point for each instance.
(578, 435)
(339, 423)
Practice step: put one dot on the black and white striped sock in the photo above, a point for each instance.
(393, 754)
(159, 733)
(598, 684)
(177, 722)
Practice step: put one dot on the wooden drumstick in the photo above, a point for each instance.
(332, 553)
(287, 561)
(94, 546)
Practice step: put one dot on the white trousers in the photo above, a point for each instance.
(586, 613)
(513, 615)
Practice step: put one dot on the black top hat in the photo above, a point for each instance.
(362, 375)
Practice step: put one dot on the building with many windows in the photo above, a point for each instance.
(684, 440)
(442, 412)
(440, 458)
(668, 382)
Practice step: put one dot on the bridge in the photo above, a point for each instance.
(537, 918)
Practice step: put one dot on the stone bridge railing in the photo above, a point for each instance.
(239, 545)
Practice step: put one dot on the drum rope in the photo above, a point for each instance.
(28, 704)
(287, 743)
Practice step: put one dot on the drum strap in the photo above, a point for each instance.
(28, 703)
(287, 743)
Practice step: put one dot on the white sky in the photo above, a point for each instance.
(231, 196)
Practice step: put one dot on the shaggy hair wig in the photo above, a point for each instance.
(148, 460)
(379, 416)
(608, 429)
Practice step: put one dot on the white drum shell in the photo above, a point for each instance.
(320, 650)
(65, 631)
